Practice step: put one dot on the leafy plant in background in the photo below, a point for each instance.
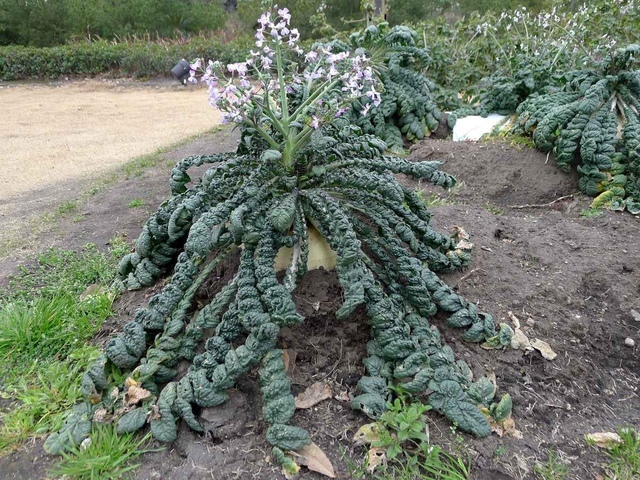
(595, 121)
(294, 172)
(407, 107)
(495, 61)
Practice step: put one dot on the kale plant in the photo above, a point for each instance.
(295, 171)
(407, 106)
(594, 121)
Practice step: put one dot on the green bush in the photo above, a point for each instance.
(44, 23)
(135, 59)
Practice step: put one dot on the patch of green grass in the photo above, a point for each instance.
(552, 469)
(493, 209)
(519, 142)
(67, 207)
(500, 451)
(137, 166)
(591, 212)
(48, 317)
(624, 459)
(49, 326)
(70, 271)
(107, 456)
(136, 202)
(42, 393)
(434, 199)
(401, 435)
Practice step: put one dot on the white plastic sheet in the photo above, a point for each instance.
(474, 126)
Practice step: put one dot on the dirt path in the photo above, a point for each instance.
(52, 134)
(52, 137)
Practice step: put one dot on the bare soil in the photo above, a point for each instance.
(571, 280)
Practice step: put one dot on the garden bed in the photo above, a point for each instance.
(571, 278)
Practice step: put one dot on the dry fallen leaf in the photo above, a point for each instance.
(544, 349)
(89, 290)
(604, 439)
(460, 233)
(520, 341)
(101, 416)
(135, 393)
(376, 457)
(289, 355)
(463, 236)
(286, 359)
(155, 413)
(313, 395)
(366, 434)
(505, 428)
(464, 245)
(315, 459)
(343, 396)
(514, 319)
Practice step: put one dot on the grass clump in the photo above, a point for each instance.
(43, 392)
(106, 455)
(552, 469)
(48, 317)
(58, 270)
(136, 202)
(624, 458)
(591, 212)
(49, 326)
(52, 309)
(67, 207)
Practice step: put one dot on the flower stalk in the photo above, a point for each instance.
(266, 106)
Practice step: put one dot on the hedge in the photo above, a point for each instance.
(135, 59)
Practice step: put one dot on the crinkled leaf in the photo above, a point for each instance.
(482, 391)
(502, 410)
(132, 421)
(287, 437)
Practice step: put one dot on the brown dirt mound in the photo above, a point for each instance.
(498, 174)
(572, 281)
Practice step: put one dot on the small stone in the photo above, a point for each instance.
(635, 315)
(531, 322)
(629, 342)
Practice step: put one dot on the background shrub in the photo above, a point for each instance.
(133, 59)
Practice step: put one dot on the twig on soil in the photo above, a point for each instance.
(335, 365)
(544, 205)
(464, 277)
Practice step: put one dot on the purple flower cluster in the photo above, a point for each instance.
(271, 64)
